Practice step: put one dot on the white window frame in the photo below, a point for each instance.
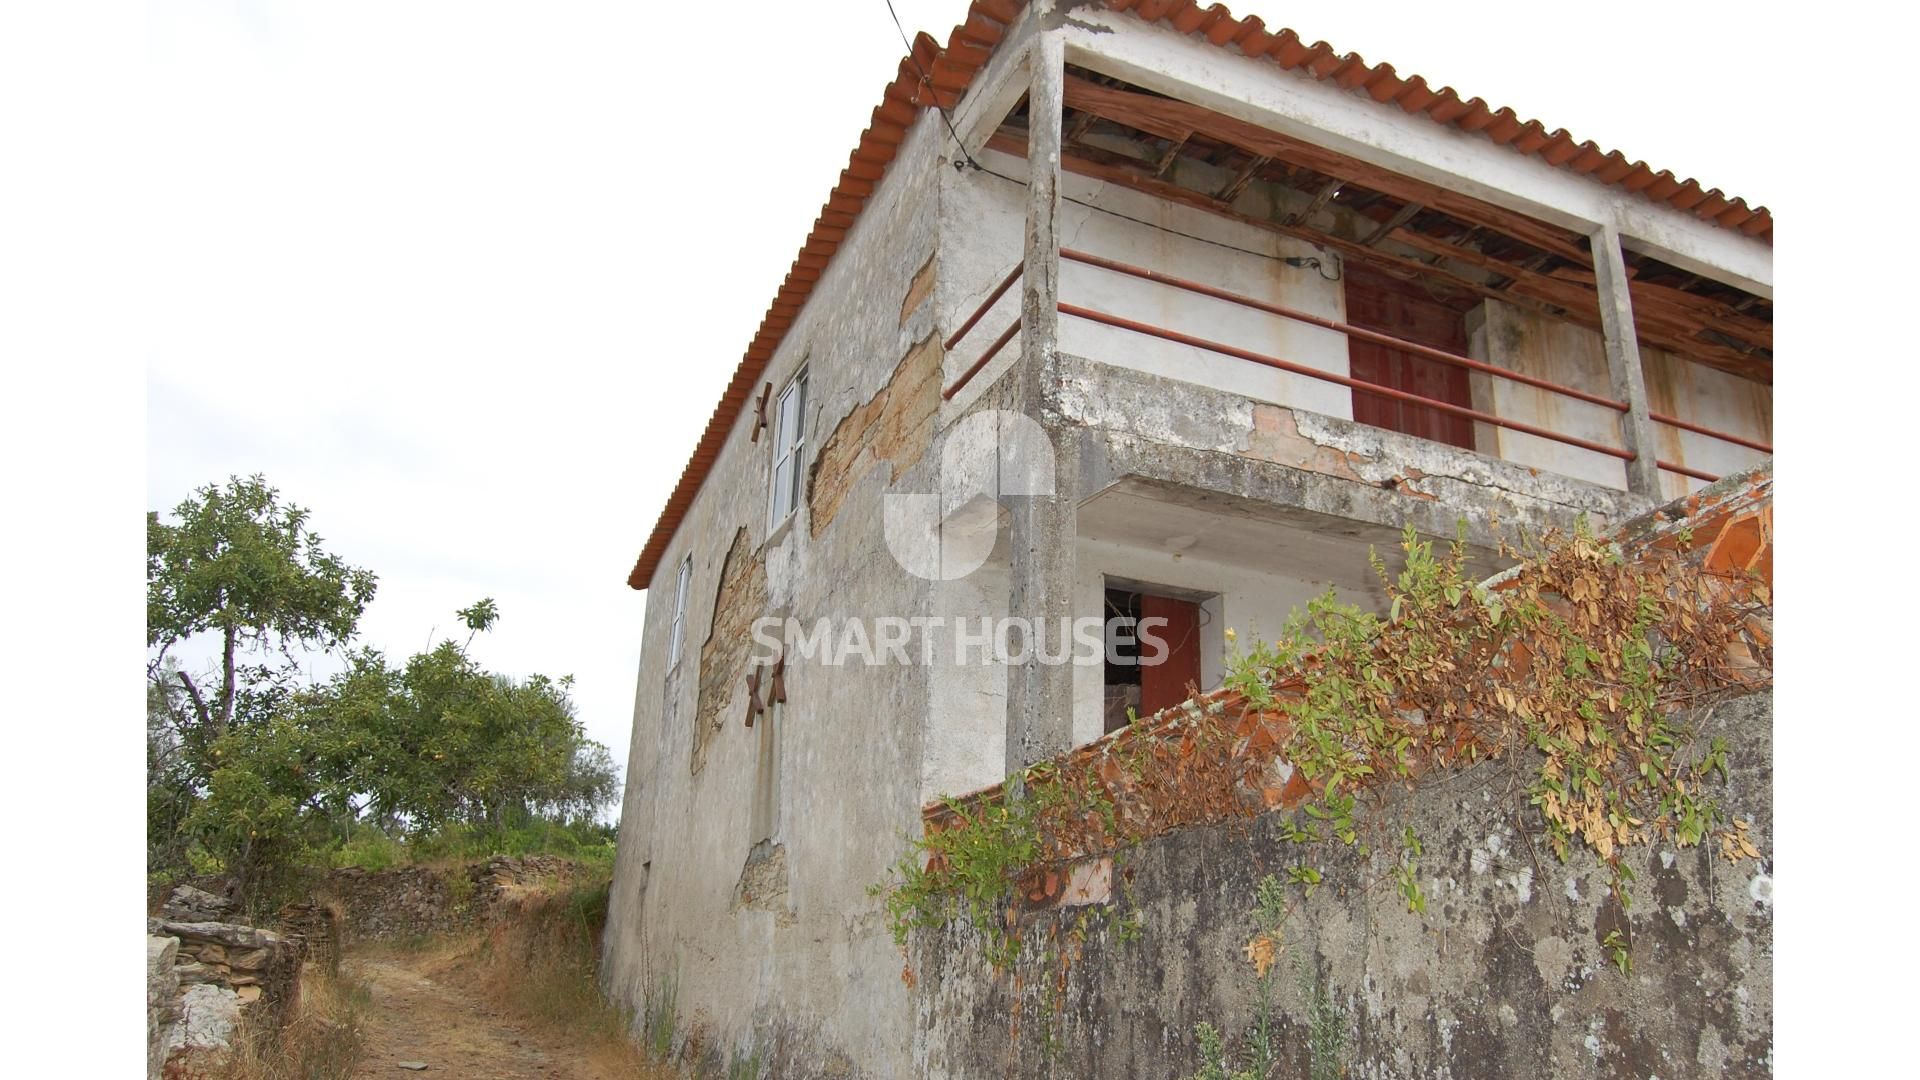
(677, 636)
(789, 450)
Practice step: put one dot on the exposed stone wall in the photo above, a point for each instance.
(892, 426)
(188, 903)
(316, 928)
(261, 968)
(205, 980)
(742, 598)
(1505, 974)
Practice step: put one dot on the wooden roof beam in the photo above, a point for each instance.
(1386, 228)
(1167, 117)
(1320, 198)
(1557, 299)
(1165, 162)
(1242, 178)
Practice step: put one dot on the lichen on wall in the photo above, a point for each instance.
(1506, 974)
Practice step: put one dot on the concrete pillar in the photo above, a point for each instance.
(1040, 695)
(1623, 362)
(1040, 286)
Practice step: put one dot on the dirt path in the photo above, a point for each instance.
(414, 1017)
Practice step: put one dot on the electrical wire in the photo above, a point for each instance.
(927, 80)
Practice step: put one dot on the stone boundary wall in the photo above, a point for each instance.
(417, 901)
(1507, 973)
(315, 927)
(1520, 965)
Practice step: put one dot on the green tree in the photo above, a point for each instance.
(443, 740)
(170, 788)
(262, 812)
(270, 768)
(239, 563)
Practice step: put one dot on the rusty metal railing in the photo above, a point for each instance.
(1380, 338)
(999, 343)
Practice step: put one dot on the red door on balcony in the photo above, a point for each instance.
(1166, 683)
(1377, 301)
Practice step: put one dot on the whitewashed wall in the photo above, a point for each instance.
(1526, 341)
(1254, 603)
(1161, 236)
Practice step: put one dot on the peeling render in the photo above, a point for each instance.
(723, 655)
(892, 426)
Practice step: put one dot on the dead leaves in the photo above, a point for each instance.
(1737, 844)
(1262, 952)
(1582, 658)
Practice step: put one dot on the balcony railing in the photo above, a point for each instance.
(1619, 408)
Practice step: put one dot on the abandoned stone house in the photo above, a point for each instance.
(1269, 303)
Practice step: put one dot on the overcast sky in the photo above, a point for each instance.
(466, 279)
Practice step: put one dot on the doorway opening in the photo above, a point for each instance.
(1151, 667)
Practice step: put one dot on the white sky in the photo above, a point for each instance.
(466, 279)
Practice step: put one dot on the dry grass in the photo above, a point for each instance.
(321, 1042)
(537, 965)
(540, 964)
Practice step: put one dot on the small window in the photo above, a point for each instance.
(789, 445)
(679, 633)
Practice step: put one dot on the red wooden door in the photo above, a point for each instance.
(1165, 683)
(1377, 301)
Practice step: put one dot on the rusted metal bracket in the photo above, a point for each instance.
(760, 416)
(754, 708)
(776, 689)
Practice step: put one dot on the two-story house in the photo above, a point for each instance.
(1264, 303)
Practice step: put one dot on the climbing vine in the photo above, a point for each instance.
(1564, 683)
(1579, 664)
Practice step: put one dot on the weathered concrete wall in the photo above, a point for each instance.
(1505, 975)
(770, 942)
(1179, 432)
(777, 947)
